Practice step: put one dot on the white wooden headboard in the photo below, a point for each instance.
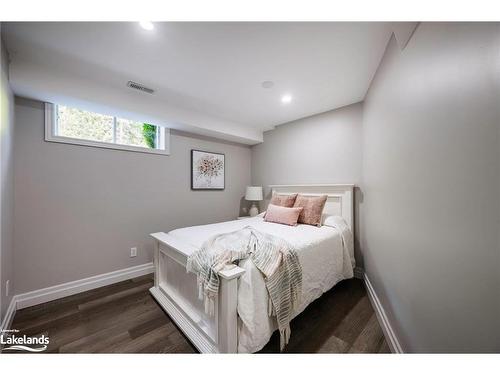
(340, 199)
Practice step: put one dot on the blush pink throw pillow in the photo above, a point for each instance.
(312, 208)
(282, 215)
(283, 200)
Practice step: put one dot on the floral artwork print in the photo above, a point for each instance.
(207, 170)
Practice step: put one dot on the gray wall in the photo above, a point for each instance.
(80, 209)
(7, 183)
(324, 148)
(430, 216)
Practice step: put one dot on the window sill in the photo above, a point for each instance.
(113, 146)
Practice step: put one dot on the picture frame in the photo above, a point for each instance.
(208, 170)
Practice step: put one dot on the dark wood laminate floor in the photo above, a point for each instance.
(124, 318)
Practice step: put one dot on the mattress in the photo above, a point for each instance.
(324, 259)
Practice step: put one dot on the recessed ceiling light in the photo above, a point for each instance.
(285, 99)
(147, 25)
(267, 84)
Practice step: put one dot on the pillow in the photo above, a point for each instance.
(282, 215)
(334, 221)
(283, 200)
(312, 208)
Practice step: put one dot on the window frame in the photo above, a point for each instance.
(51, 136)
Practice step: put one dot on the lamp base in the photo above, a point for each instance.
(254, 211)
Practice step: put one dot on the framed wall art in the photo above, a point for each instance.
(207, 170)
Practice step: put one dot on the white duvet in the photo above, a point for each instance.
(324, 259)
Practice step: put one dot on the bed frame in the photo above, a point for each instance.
(177, 293)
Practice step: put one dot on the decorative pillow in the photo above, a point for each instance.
(312, 208)
(283, 200)
(282, 215)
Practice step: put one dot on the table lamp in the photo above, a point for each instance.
(254, 194)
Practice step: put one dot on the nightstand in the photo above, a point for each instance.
(243, 217)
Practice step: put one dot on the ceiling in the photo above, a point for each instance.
(214, 70)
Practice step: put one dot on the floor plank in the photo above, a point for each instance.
(124, 318)
(334, 345)
(355, 321)
(384, 348)
(370, 339)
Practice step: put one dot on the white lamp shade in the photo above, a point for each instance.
(254, 193)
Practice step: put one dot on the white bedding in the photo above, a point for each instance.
(323, 258)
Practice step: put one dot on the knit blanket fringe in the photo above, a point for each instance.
(272, 256)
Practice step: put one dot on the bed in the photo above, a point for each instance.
(240, 323)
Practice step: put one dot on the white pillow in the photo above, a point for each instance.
(333, 221)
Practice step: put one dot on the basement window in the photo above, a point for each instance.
(65, 124)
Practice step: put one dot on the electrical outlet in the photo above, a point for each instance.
(7, 288)
(133, 252)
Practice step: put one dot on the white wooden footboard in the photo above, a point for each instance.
(177, 293)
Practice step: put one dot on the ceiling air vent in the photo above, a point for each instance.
(138, 86)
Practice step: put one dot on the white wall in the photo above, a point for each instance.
(80, 209)
(324, 148)
(431, 163)
(7, 182)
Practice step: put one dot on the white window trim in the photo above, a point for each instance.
(50, 136)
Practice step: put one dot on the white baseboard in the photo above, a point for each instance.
(9, 314)
(37, 297)
(390, 336)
